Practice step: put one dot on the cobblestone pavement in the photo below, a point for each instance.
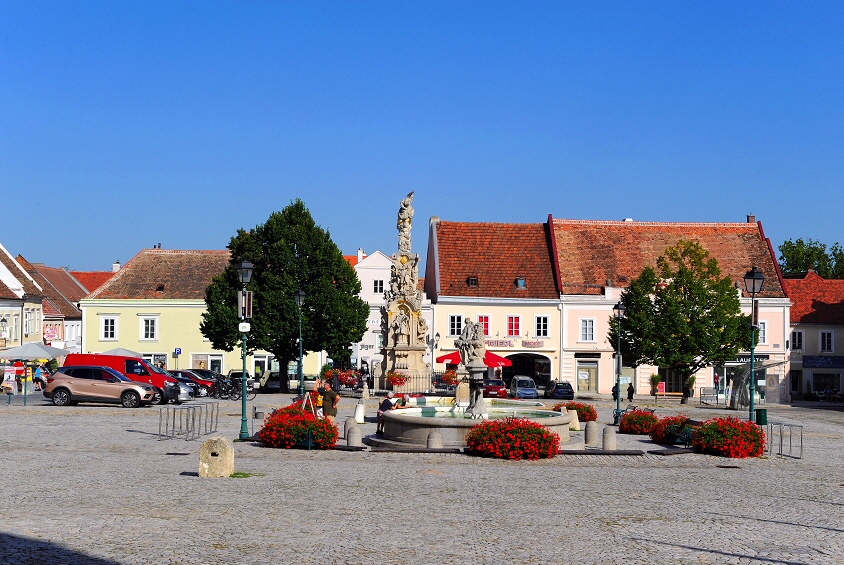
(94, 484)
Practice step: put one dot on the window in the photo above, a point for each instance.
(513, 326)
(797, 340)
(472, 282)
(108, 328)
(378, 287)
(455, 324)
(149, 328)
(484, 322)
(521, 283)
(587, 330)
(826, 342)
(541, 326)
(379, 341)
(762, 332)
(28, 322)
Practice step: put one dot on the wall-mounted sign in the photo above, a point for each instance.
(532, 343)
(589, 355)
(745, 358)
(499, 343)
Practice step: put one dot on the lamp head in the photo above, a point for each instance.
(299, 297)
(619, 309)
(244, 270)
(753, 280)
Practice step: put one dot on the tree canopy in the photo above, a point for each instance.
(289, 252)
(799, 256)
(683, 316)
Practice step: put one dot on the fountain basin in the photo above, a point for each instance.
(411, 426)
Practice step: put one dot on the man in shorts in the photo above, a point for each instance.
(329, 401)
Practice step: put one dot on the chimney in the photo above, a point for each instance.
(115, 266)
(751, 219)
(627, 220)
(361, 254)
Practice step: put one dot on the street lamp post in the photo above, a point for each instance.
(753, 281)
(244, 270)
(299, 297)
(435, 341)
(618, 311)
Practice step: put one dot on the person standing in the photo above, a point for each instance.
(330, 399)
(615, 391)
(630, 391)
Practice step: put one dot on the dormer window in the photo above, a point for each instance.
(520, 282)
(159, 288)
(472, 282)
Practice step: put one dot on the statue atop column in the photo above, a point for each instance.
(403, 222)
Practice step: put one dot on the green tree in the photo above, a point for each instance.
(799, 256)
(289, 252)
(683, 315)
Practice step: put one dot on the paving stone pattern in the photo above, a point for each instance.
(93, 484)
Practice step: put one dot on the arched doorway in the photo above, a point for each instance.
(533, 365)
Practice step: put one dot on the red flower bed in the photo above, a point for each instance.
(585, 412)
(288, 426)
(638, 422)
(730, 437)
(512, 438)
(450, 377)
(659, 431)
(396, 378)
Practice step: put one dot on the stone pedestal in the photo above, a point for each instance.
(216, 457)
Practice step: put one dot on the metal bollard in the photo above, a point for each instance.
(591, 434)
(609, 438)
(360, 412)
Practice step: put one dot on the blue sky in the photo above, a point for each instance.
(126, 124)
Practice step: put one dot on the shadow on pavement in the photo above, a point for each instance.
(19, 549)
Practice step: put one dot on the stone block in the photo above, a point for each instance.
(216, 457)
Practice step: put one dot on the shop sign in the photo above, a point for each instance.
(533, 343)
(823, 362)
(596, 355)
(745, 358)
(499, 342)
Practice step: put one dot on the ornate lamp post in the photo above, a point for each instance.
(435, 342)
(618, 311)
(753, 281)
(299, 297)
(244, 270)
(3, 323)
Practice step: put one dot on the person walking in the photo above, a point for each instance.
(615, 392)
(630, 391)
(330, 399)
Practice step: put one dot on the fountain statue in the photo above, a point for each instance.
(472, 349)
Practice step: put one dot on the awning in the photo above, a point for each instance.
(490, 359)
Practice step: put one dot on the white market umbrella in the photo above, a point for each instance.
(123, 352)
(33, 350)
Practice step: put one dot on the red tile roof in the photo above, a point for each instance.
(592, 253)
(351, 259)
(6, 292)
(815, 300)
(92, 280)
(165, 274)
(51, 311)
(54, 301)
(19, 274)
(496, 255)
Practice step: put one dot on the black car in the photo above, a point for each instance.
(561, 391)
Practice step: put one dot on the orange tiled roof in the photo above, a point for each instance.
(815, 300)
(351, 259)
(54, 301)
(17, 272)
(6, 293)
(92, 280)
(592, 253)
(496, 254)
(51, 311)
(165, 274)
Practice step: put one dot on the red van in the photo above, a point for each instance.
(137, 369)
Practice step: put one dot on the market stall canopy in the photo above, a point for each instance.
(490, 359)
(32, 350)
(123, 352)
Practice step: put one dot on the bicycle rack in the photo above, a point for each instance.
(781, 428)
(189, 421)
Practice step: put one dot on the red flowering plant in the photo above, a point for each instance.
(450, 378)
(512, 438)
(668, 428)
(585, 412)
(290, 425)
(637, 422)
(349, 378)
(396, 378)
(730, 437)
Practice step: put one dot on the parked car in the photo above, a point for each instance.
(561, 391)
(523, 387)
(134, 368)
(206, 374)
(494, 388)
(81, 383)
(270, 381)
(189, 387)
(203, 386)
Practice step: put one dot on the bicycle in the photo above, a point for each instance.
(236, 386)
